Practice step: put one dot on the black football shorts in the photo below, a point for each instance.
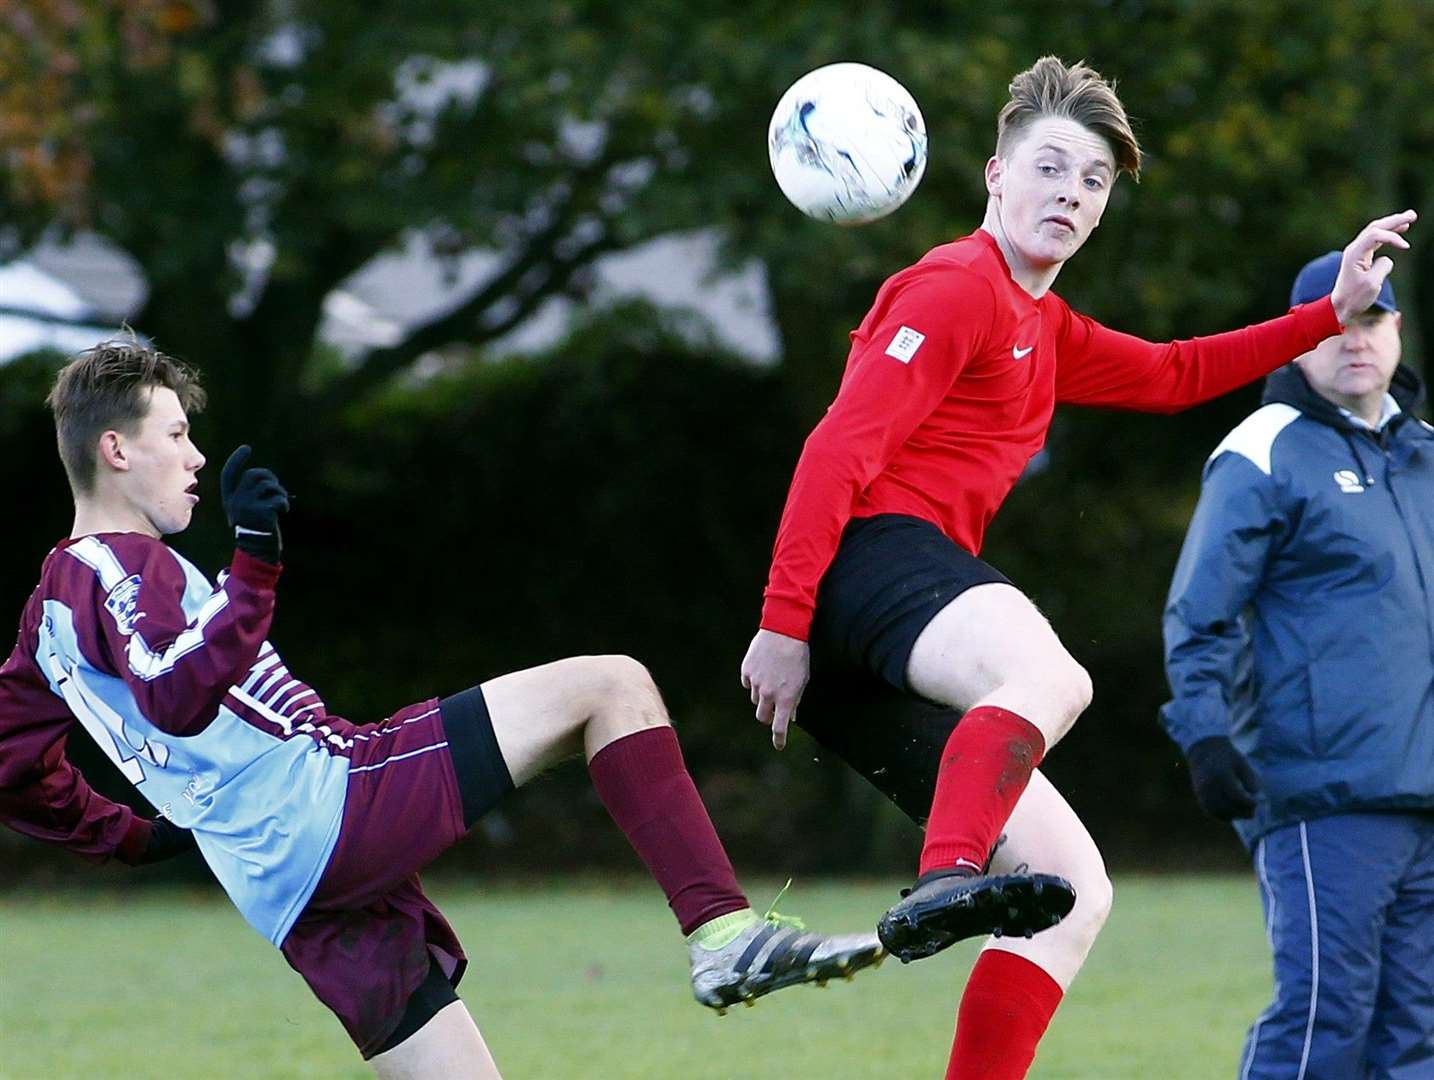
(891, 575)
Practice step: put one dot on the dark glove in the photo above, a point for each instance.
(166, 840)
(253, 500)
(1225, 785)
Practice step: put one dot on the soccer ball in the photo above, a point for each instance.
(847, 144)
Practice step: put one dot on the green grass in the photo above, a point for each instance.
(588, 980)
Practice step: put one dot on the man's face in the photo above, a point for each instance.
(162, 465)
(1052, 187)
(1358, 362)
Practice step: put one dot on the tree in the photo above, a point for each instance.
(253, 154)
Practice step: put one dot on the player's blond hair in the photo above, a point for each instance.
(107, 388)
(1050, 87)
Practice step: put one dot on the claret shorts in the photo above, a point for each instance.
(370, 943)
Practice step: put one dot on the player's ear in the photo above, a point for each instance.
(112, 453)
(995, 175)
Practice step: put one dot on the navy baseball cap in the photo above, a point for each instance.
(1317, 277)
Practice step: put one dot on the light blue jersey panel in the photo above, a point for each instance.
(264, 810)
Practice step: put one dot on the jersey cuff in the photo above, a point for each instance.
(1317, 321)
(788, 617)
(254, 571)
(136, 839)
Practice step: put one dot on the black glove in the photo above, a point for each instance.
(253, 500)
(166, 840)
(1225, 785)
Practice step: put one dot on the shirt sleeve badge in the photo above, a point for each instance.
(904, 345)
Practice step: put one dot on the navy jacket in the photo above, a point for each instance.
(1300, 621)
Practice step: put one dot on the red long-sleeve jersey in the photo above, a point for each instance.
(948, 392)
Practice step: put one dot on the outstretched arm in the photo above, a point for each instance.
(1361, 275)
(51, 801)
(1102, 367)
(41, 794)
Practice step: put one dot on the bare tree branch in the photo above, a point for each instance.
(538, 272)
(465, 323)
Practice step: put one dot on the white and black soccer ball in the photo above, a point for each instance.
(847, 144)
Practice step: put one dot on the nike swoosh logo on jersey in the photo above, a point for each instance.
(1020, 354)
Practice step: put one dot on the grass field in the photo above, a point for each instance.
(588, 980)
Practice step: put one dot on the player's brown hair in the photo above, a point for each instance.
(1050, 87)
(107, 388)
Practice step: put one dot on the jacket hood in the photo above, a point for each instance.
(1288, 386)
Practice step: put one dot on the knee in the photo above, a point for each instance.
(1082, 690)
(1069, 694)
(619, 674)
(1076, 690)
(1094, 896)
(623, 685)
(1051, 692)
(1084, 868)
(1099, 898)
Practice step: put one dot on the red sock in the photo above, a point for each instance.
(986, 765)
(1004, 1012)
(643, 782)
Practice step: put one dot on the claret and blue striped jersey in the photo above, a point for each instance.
(176, 682)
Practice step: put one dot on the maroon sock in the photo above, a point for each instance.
(643, 782)
(986, 765)
(1005, 1010)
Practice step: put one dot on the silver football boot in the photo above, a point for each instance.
(776, 951)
